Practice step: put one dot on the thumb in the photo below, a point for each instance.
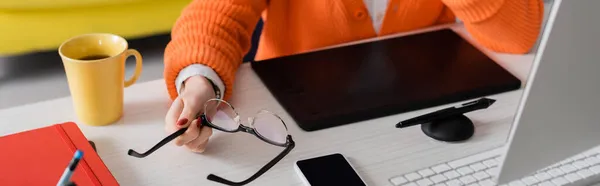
(189, 114)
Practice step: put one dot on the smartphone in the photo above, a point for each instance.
(333, 169)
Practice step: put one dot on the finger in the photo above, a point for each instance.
(200, 148)
(190, 134)
(189, 112)
(172, 116)
(199, 144)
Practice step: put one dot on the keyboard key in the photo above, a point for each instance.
(438, 178)
(545, 169)
(530, 180)
(542, 176)
(590, 153)
(493, 171)
(490, 163)
(584, 173)
(560, 181)
(424, 182)
(487, 182)
(478, 167)
(546, 183)
(573, 177)
(516, 183)
(440, 184)
(555, 172)
(580, 164)
(568, 168)
(475, 158)
(451, 174)
(454, 183)
(468, 179)
(578, 157)
(595, 169)
(426, 172)
(567, 161)
(412, 176)
(481, 175)
(553, 166)
(592, 161)
(441, 168)
(474, 184)
(498, 159)
(398, 180)
(411, 184)
(465, 170)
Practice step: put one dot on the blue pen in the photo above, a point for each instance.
(66, 177)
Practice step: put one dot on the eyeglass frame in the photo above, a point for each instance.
(289, 144)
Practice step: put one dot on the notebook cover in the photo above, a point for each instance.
(39, 157)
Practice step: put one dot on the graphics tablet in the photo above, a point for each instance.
(343, 85)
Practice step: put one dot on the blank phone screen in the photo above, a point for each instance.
(329, 170)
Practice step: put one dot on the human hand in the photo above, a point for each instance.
(183, 113)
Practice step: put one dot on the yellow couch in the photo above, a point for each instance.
(42, 25)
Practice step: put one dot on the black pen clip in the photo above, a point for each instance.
(485, 102)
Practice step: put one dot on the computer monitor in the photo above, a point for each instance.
(559, 113)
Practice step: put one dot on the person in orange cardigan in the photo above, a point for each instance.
(211, 37)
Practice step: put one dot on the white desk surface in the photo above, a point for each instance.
(377, 149)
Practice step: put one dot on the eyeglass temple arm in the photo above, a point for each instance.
(262, 170)
(162, 142)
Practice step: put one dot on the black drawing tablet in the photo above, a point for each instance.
(354, 83)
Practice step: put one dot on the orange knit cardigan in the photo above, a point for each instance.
(217, 33)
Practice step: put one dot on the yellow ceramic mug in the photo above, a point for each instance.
(95, 67)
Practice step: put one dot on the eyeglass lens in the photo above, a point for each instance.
(222, 115)
(270, 127)
(267, 125)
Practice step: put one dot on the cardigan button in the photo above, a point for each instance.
(360, 14)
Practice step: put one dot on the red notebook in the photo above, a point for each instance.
(39, 157)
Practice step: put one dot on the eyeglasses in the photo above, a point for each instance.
(219, 114)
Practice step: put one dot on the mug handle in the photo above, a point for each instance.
(138, 66)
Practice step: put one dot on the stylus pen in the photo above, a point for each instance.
(65, 179)
(447, 112)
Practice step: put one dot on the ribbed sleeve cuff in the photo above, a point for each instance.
(180, 57)
(200, 70)
(473, 11)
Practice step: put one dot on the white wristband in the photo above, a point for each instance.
(203, 70)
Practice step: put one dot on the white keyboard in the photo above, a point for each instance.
(477, 170)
